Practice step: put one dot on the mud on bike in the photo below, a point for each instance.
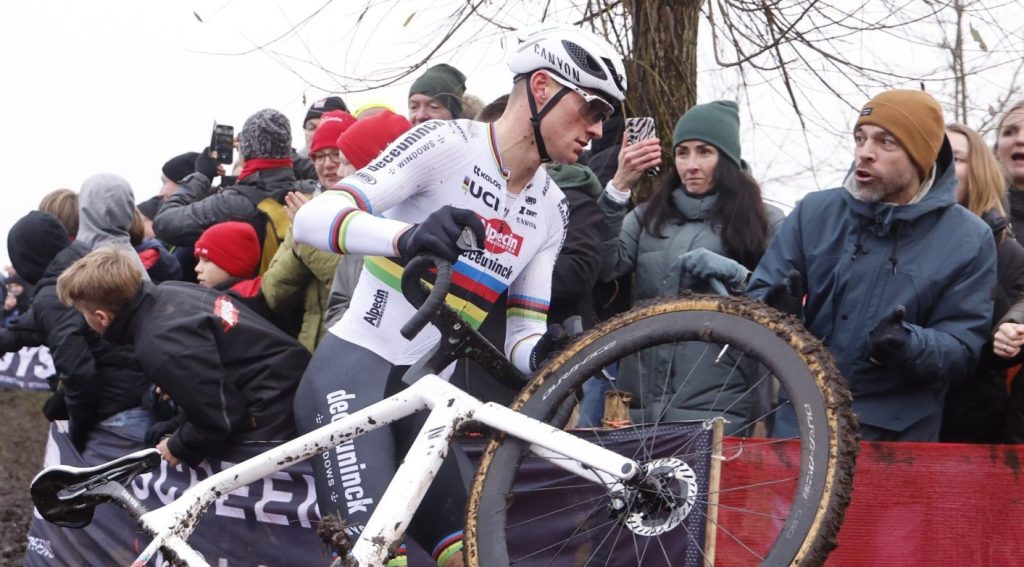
(720, 490)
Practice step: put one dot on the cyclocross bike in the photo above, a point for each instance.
(659, 493)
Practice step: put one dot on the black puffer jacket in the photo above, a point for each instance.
(976, 406)
(99, 379)
(195, 206)
(239, 377)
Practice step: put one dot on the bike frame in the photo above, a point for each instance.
(449, 407)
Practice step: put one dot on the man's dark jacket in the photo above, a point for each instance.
(195, 207)
(231, 373)
(861, 261)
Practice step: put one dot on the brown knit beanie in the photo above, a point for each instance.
(914, 118)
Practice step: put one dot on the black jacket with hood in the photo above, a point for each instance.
(238, 379)
(99, 379)
(195, 207)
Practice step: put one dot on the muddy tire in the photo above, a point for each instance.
(814, 490)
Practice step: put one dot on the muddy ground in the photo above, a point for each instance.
(22, 441)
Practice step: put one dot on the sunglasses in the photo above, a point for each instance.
(595, 109)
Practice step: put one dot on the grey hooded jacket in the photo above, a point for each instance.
(698, 389)
(106, 206)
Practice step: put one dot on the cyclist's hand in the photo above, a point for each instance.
(888, 339)
(165, 452)
(708, 265)
(440, 232)
(787, 294)
(554, 340)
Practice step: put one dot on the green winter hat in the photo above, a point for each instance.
(717, 123)
(445, 83)
(575, 176)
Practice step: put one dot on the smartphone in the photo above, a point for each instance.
(223, 142)
(641, 128)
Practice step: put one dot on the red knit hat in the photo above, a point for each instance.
(332, 124)
(233, 246)
(367, 137)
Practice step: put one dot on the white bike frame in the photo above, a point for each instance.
(449, 406)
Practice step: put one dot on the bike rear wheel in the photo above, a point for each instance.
(789, 518)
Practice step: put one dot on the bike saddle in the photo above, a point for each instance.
(67, 496)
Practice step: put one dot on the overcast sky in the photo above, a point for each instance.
(122, 86)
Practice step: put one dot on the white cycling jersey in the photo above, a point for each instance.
(438, 163)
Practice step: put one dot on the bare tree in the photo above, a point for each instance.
(820, 59)
(976, 64)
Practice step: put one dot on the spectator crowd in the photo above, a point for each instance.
(186, 321)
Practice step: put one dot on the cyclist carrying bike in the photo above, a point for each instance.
(418, 196)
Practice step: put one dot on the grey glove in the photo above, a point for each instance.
(707, 265)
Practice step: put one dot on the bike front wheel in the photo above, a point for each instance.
(761, 495)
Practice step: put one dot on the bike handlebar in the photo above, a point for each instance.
(426, 301)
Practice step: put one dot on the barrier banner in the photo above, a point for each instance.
(26, 369)
(273, 522)
(266, 523)
(913, 504)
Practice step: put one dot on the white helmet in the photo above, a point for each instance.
(576, 55)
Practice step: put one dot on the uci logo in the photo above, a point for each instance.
(478, 191)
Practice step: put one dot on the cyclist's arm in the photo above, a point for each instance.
(342, 221)
(346, 220)
(529, 296)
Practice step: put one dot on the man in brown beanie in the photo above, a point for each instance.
(888, 271)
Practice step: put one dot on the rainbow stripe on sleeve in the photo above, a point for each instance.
(528, 308)
(343, 220)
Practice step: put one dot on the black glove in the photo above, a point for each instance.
(889, 337)
(440, 232)
(20, 333)
(206, 164)
(787, 294)
(158, 430)
(554, 340)
(55, 407)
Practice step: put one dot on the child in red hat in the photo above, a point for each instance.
(227, 259)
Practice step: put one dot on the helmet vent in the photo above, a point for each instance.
(584, 60)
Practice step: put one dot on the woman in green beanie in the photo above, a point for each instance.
(705, 221)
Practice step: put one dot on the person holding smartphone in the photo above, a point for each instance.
(705, 221)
